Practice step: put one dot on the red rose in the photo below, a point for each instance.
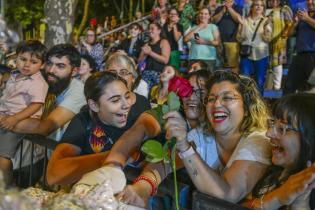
(180, 86)
(93, 22)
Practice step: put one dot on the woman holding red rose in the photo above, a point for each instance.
(238, 122)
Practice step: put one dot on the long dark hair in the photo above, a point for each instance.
(204, 75)
(297, 110)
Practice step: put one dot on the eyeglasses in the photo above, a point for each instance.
(279, 128)
(225, 98)
(121, 72)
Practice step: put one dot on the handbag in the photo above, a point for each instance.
(245, 49)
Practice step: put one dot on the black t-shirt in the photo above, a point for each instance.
(227, 26)
(170, 35)
(136, 49)
(93, 136)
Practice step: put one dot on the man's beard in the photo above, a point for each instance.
(59, 85)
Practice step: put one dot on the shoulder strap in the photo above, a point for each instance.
(257, 29)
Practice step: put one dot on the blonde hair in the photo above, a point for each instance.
(125, 60)
(254, 4)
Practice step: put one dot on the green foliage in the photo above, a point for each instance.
(154, 151)
(25, 12)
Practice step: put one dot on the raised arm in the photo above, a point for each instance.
(145, 127)
(67, 167)
(295, 192)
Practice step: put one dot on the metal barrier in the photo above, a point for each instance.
(204, 202)
(123, 27)
(48, 144)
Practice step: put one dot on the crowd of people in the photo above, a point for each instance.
(100, 105)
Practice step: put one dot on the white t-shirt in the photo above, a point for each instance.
(142, 88)
(254, 147)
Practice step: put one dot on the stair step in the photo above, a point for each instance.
(272, 93)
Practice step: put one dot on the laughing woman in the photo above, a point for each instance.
(290, 182)
(91, 134)
(238, 120)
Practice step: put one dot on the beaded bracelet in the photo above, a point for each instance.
(150, 181)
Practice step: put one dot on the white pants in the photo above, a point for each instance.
(277, 77)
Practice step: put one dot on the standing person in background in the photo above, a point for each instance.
(186, 13)
(257, 61)
(132, 45)
(113, 23)
(156, 55)
(106, 24)
(226, 17)
(204, 37)
(91, 47)
(246, 7)
(212, 6)
(281, 17)
(159, 12)
(304, 62)
(173, 31)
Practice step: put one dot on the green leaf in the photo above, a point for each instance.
(152, 159)
(165, 109)
(153, 150)
(173, 101)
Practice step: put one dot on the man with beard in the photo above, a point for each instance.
(65, 94)
(304, 62)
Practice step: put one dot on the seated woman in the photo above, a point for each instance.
(238, 122)
(87, 67)
(112, 109)
(123, 65)
(159, 92)
(290, 181)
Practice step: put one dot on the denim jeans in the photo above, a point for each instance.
(257, 69)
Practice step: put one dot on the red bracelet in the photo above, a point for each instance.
(150, 181)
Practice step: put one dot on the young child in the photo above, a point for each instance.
(23, 97)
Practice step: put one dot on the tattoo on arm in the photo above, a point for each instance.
(192, 170)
